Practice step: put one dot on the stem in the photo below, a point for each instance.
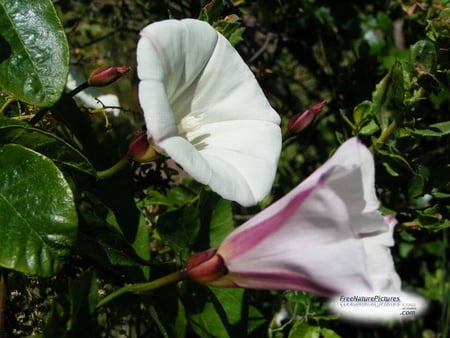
(142, 287)
(8, 101)
(112, 170)
(81, 87)
(3, 296)
(37, 117)
(23, 117)
(385, 133)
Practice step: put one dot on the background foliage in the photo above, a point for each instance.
(382, 67)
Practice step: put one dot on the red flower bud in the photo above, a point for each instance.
(141, 150)
(105, 75)
(301, 120)
(205, 266)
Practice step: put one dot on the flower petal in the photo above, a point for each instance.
(195, 86)
(315, 234)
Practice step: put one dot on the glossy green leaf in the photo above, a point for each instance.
(35, 58)
(48, 144)
(38, 219)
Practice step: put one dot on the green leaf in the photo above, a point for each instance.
(221, 222)
(415, 187)
(230, 28)
(389, 93)
(424, 52)
(439, 28)
(179, 229)
(211, 11)
(47, 144)
(216, 217)
(327, 333)
(395, 164)
(83, 296)
(100, 237)
(6, 121)
(206, 315)
(38, 219)
(35, 64)
(140, 244)
(231, 301)
(56, 321)
(365, 119)
(433, 130)
(303, 330)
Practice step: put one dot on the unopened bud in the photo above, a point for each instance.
(105, 75)
(301, 120)
(206, 266)
(141, 149)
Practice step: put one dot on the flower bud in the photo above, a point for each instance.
(300, 121)
(206, 266)
(142, 150)
(105, 75)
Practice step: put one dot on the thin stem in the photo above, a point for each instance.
(23, 117)
(142, 287)
(115, 168)
(81, 87)
(8, 101)
(38, 116)
(385, 133)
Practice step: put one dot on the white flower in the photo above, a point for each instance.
(203, 107)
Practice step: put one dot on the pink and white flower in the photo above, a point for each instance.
(204, 108)
(326, 237)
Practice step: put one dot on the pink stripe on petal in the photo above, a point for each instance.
(281, 280)
(242, 241)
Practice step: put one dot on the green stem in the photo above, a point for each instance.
(142, 287)
(385, 133)
(8, 101)
(23, 117)
(115, 168)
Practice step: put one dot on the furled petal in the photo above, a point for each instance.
(204, 108)
(325, 236)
